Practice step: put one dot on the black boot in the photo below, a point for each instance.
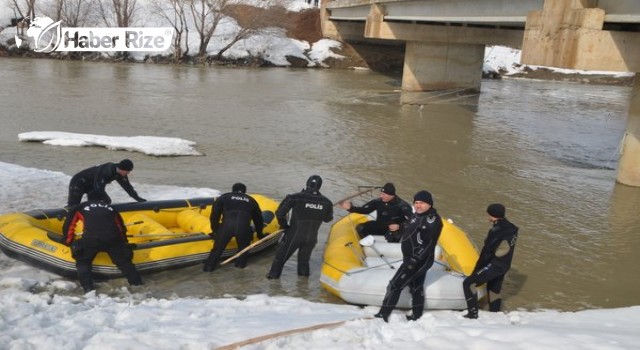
(413, 317)
(271, 277)
(471, 314)
(495, 305)
(385, 317)
(472, 306)
(89, 287)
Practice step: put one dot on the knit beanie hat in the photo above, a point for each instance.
(496, 210)
(423, 196)
(125, 164)
(389, 189)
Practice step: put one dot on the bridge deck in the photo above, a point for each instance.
(499, 13)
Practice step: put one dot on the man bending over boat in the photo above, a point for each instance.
(494, 261)
(391, 213)
(418, 243)
(96, 178)
(237, 209)
(104, 231)
(309, 209)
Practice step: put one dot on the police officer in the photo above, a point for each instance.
(391, 213)
(493, 263)
(418, 243)
(104, 231)
(96, 178)
(309, 208)
(237, 209)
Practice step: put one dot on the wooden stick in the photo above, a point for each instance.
(264, 239)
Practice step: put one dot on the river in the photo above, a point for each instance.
(547, 150)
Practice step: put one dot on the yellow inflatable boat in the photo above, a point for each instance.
(359, 274)
(167, 234)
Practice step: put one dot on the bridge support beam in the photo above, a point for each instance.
(629, 163)
(442, 66)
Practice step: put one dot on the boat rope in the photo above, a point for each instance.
(262, 338)
(157, 210)
(349, 273)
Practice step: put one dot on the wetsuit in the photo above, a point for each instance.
(95, 179)
(396, 211)
(418, 244)
(104, 231)
(493, 264)
(308, 209)
(237, 210)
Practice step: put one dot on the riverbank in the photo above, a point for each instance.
(308, 49)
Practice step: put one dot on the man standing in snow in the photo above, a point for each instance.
(237, 209)
(418, 244)
(104, 231)
(309, 209)
(96, 178)
(493, 263)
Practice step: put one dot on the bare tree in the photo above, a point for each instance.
(73, 13)
(25, 8)
(174, 12)
(252, 20)
(117, 13)
(206, 14)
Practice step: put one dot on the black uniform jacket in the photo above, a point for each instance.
(421, 236)
(101, 223)
(238, 210)
(98, 177)
(308, 210)
(396, 211)
(503, 233)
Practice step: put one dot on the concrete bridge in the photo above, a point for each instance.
(445, 41)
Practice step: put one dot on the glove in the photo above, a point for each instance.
(132, 245)
(140, 199)
(260, 235)
(412, 263)
(391, 237)
(76, 249)
(212, 235)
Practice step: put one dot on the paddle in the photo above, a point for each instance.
(355, 252)
(264, 239)
(370, 242)
(369, 189)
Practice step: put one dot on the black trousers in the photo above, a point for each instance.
(84, 251)
(221, 240)
(77, 189)
(413, 278)
(493, 276)
(303, 242)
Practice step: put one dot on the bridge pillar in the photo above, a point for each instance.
(441, 66)
(629, 163)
